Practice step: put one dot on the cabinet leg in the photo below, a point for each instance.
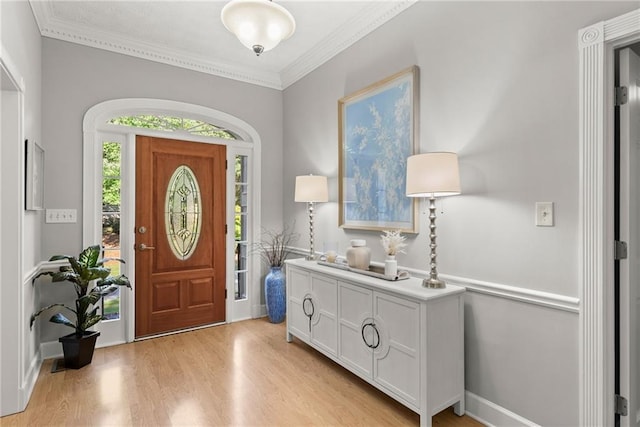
(289, 337)
(458, 408)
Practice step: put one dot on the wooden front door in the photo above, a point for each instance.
(180, 235)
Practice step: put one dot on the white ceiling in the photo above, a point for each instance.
(190, 34)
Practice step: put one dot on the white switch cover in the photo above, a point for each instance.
(544, 214)
(61, 216)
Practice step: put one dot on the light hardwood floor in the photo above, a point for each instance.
(242, 374)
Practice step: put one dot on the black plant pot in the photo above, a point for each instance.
(78, 351)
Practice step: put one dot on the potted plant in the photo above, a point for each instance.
(274, 249)
(91, 281)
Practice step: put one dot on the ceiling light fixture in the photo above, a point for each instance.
(259, 24)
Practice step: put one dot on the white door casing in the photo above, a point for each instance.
(629, 77)
(96, 128)
(13, 397)
(596, 45)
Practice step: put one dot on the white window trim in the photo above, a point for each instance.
(95, 126)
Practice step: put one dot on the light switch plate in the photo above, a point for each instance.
(544, 214)
(53, 216)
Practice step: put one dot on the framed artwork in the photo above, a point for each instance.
(34, 188)
(378, 130)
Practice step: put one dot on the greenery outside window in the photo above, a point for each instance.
(173, 124)
(111, 206)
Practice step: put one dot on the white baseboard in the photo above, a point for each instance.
(258, 310)
(493, 415)
(29, 381)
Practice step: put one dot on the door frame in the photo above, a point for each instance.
(596, 45)
(17, 296)
(95, 126)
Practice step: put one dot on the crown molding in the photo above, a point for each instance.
(51, 27)
(335, 43)
(345, 36)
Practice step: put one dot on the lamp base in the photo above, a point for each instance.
(433, 283)
(310, 258)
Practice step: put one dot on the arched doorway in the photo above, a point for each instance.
(245, 149)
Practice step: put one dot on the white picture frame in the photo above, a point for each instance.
(34, 187)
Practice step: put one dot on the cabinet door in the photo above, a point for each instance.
(355, 308)
(396, 363)
(299, 286)
(324, 298)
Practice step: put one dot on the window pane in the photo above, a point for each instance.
(170, 123)
(111, 195)
(111, 303)
(111, 159)
(111, 231)
(241, 285)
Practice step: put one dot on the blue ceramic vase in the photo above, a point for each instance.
(274, 295)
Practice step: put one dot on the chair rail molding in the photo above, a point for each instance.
(596, 45)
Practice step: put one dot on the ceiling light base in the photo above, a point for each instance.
(258, 49)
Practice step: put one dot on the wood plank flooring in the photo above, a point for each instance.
(241, 374)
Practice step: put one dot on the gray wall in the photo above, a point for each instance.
(499, 87)
(75, 78)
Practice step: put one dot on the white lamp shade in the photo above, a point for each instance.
(311, 188)
(433, 175)
(258, 22)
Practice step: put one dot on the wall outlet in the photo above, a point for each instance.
(53, 216)
(544, 214)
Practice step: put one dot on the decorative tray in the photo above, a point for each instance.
(373, 271)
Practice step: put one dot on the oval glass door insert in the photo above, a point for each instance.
(183, 215)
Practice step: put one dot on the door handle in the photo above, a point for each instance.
(143, 247)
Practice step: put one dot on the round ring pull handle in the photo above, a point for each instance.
(376, 342)
(304, 309)
(304, 306)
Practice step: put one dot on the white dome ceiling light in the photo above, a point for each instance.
(259, 24)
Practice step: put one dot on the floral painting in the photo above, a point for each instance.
(377, 133)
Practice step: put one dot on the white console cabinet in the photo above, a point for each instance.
(404, 339)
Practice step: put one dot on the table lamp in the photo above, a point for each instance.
(311, 189)
(433, 175)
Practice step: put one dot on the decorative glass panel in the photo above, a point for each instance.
(183, 216)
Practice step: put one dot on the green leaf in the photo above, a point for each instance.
(89, 257)
(60, 257)
(39, 312)
(105, 260)
(90, 321)
(103, 291)
(120, 280)
(91, 298)
(98, 273)
(65, 276)
(60, 318)
(44, 273)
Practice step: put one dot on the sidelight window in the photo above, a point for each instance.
(241, 227)
(111, 204)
